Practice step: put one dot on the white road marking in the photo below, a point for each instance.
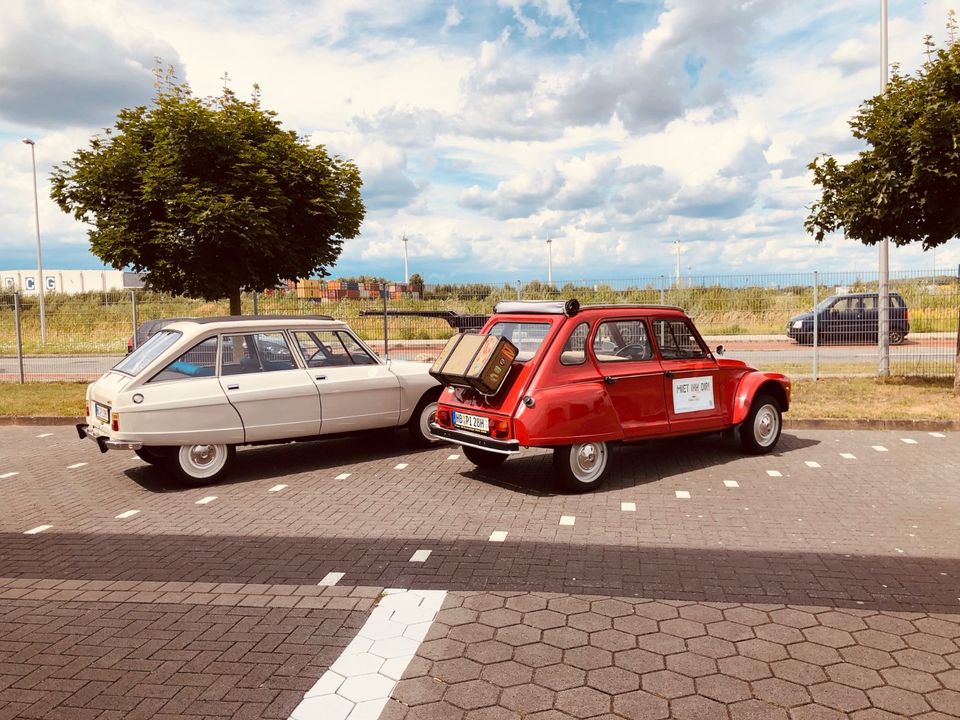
(204, 501)
(812, 464)
(936, 434)
(276, 488)
(628, 507)
(908, 441)
(420, 556)
(360, 682)
(125, 515)
(75, 466)
(774, 473)
(343, 476)
(400, 466)
(453, 457)
(848, 456)
(731, 483)
(45, 435)
(331, 578)
(879, 448)
(498, 536)
(683, 494)
(568, 519)
(9, 474)
(38, 529)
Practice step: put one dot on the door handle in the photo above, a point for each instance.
(321, 377)
(233, 387)
(609, 380)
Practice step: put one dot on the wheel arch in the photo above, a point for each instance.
(758, 383)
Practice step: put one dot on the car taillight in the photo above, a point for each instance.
(86, 409)
(906, 313)
(443, 417)
(500, 429)
(115, 423)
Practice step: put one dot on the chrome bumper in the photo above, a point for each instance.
(105, 442)
(460, 437)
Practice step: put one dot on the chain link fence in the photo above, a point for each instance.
(750, 315)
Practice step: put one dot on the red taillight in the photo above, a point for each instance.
(443, 417)
(500, 429)
(906, 313)
(86, 409)
(115, 423)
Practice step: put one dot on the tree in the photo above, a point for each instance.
(905, 185)
(211, 196)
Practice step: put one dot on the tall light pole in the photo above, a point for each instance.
(406, 269)
(550, 262)
(884, 299)
(36, 215)
(677, 244)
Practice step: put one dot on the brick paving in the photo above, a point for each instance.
(830, 590)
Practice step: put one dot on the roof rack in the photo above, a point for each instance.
(253, 318)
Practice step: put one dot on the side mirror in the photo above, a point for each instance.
(720, 350)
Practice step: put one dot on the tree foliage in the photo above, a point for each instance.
(210, 196)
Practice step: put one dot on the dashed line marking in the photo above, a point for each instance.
(568, 519)
(848, 456)
(453, 457)
(774, 473)
(812, 464)
(879, 448)
(127, 514)
(731, 483)
(75, 466)
(38, 529)
(937, 434)
(8, 475)
(400, 466)
(342, 476)
(908, 441)
(277, 488)
(44, 435)
(683, 494)
(628, 507)
(420, 556)
(498, 536)
(331, 578)
(207, 500)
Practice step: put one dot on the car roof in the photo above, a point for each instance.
(521, 307)
(258, 322)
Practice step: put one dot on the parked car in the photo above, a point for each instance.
(587, 378)
(852, 317)
(199, 387)
(148, 329)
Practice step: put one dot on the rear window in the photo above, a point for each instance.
(527, 336)
(153, 348)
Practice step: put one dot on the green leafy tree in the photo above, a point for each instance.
(210, 197)
(905, 185)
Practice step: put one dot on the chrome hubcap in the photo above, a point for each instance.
(766, 425)
(202, 455)
(588, 461)
(428, 416)
(586, 457)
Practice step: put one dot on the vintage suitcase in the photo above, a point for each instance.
(481, 362)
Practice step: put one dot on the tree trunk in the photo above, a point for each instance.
(235, 302)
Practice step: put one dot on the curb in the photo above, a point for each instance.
(788, 423)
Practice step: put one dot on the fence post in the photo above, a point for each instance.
(518, 289)
(133, 309)
(816, 325)
(16, 320)
(256, 303)
(386, 351)
(662, 279)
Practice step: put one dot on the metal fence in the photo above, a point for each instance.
(87, 334)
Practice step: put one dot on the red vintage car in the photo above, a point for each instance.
(585, 378)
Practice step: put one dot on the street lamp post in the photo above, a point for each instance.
(36, 215)
(884, 299)
(550, 262)
(406, 269)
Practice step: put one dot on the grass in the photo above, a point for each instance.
(842, 398)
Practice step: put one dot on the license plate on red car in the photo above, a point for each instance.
(473, 423)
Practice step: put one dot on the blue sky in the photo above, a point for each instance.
(482, 129)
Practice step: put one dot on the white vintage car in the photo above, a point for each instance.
(198, 388)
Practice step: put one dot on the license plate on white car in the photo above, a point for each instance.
(474, 423)
(102, 412)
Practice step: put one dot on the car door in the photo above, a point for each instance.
(693, 382)
(869, 324)
(357, 391)
(632, 376)
(275, 397)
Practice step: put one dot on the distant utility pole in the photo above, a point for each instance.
(550, 262)
(406, 269)
(676, 244)
(884, 299)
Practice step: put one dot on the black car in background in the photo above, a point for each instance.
(851, 318)
(148, 329)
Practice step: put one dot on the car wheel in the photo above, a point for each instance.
(483, 458)
(896, 337)
(202, 464)
(419, 424)
(760, 432)
(152, 455)
(582, 467)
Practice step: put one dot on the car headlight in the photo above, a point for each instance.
(798, 324)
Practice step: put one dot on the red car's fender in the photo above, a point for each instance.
(567, 414)
(759, 383)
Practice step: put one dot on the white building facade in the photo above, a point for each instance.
(70, 282)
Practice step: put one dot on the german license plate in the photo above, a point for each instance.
(473, 423)
(102, 412)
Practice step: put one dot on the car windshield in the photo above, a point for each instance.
(153, 348)
(527, 336)
(824, 304)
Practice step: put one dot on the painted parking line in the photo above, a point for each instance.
(498, 536)
(400, 466)
(683, 494)
(331, 578)
(731, 483)
(42, 435)
(206, 501)
(848, 456)
(8, 475)
(276, 488)
(453, 457)
(75, 466)
(812, 464)
(37, 529)
(568, 519)
(127, 514)
(628, 507)
(774, 473)
(420, 556)
(343, 476)
(879, 448)
(936, 434)
(908, 441)
(359, 683)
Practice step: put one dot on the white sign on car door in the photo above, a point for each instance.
(692, 394)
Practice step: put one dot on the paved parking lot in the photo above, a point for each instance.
(821, 581)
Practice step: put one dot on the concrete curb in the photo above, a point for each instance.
(788, 423)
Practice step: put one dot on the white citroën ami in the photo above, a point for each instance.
(198, 388)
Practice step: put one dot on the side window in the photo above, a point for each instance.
(198, 361)
(259, 352)
(622, 340)
(575, 349)
(676, 340)
(326, 348)
(843, 305)
(870, 302)
(897, 302)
